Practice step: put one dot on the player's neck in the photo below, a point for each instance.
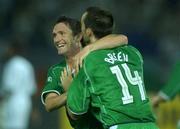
(72, 53)
(69, 61)
(69, 57)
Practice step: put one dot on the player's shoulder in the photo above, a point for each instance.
(57, 66)
(132, 48)
(135, 51)
(99, 53)
(96, 57)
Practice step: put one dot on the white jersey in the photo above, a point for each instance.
(18, 81)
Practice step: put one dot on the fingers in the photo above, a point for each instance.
(63, 74)
(66, 73)
(77, 66)
(80, 57)
(78, 62)
(61, 78)
(81, 62)
(66, 78)
(69, 73)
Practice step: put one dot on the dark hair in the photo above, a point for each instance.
(74, 24)
(100, 21)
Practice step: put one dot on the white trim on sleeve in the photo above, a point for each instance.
(164, 96)
(49, 91)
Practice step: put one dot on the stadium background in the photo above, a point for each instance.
(153, 26)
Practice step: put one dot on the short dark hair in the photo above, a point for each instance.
(74, 24)
(100, 21)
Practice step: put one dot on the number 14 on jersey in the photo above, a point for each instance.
(135, 81)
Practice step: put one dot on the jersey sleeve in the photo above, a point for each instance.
(173, 85)
(52, 85)
(78, 95)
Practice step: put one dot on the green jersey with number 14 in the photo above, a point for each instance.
(113, 86)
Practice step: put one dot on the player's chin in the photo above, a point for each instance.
(61, 51)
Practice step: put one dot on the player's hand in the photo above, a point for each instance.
(66, 79)
(78, 58)
(156, 100)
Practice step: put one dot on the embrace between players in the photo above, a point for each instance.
(101, 79)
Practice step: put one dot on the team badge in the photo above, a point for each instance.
(49, 79)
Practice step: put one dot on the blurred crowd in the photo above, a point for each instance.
(151, 25)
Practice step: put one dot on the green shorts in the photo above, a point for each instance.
(88, 121)
(135, 126)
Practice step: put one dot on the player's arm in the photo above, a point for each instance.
(66, 78)
(53, 95)
(107, 42)
(54, 101)
(156, 100)
(170, 89)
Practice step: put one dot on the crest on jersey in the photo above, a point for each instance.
(49, 79)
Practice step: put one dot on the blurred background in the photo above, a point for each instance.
(153, 26)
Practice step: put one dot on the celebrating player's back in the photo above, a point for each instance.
(110, 83)
(114, 87)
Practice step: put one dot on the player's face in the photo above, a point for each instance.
(63, 38)
(86, 38)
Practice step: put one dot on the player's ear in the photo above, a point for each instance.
(78, 39)
(89, 32)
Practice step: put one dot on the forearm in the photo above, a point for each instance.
(54, 102)
(172, 86)
(169, 94)
(110, 41)
(163, 96)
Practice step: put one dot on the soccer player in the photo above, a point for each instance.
(18, 87)
(67, 36)
(110, 84)
(170, 90)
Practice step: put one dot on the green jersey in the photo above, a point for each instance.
(111, 83)
(53, 85)
(173, 85)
